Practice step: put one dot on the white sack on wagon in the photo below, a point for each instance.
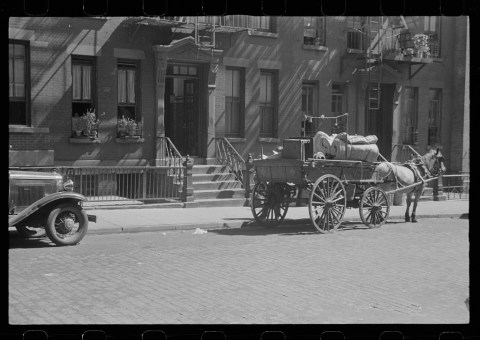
(355, 152)
(322, 142)
(357, 139)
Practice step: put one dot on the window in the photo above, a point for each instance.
(127, 91)
(83, 90)
(338, 99)
(309, 109)
(18, 76)
(406, 43)
(338, 107)
(410, 132)
(314, 31)
(355, 31)
(434, 116)
(432, 29)
(82, 86)
(263, 23)
(234, 102)
(268, 105)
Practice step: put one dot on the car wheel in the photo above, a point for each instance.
(67, 224)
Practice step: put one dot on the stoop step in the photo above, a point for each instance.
(215, 186)
(209, 169)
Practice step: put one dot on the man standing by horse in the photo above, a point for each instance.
(410, 177)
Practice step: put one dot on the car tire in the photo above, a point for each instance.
(67, 224)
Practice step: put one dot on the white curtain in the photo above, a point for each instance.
(86, 82)
(122, 93)
(77, 81)
(131, 86)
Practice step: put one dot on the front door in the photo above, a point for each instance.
(182, 113)
(379, 120)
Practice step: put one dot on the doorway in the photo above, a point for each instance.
(379, 120)
(182, 111)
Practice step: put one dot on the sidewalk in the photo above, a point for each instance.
(142, 218)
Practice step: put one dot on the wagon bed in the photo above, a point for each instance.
(333, 185)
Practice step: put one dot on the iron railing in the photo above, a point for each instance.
(122, 184)
(456, 185)
(227, 155)
(239, 21)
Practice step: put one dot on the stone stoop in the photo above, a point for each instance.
(215, 186)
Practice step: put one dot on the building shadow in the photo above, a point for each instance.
(17, 241)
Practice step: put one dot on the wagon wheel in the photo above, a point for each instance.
(374, 207)
(327, 203)
(270, 203)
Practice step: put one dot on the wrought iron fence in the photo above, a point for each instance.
(123, 184)
(456, 185)
(227, 155)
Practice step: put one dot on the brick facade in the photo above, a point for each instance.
(53, 41)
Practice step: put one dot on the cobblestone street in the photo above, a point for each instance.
(399, 273)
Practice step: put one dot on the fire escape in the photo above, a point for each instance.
(382, 43)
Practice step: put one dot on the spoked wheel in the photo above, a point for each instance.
(327, 203)
(67, 224)
(270, 203)
(374, 207)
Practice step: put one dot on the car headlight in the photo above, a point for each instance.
(68, 185)
(59, 184)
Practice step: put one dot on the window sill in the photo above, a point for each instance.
(129, 140)
(268, 140)
(85, 140)
(27, 129)
(256, 33)
(315, 47)
(236, 140)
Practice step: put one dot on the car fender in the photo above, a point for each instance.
(57, 197)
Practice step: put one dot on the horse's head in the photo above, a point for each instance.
(434, 162)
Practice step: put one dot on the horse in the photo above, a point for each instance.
(420, 168)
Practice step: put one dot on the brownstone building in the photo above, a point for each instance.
(253, 80)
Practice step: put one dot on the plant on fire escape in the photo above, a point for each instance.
(421, 44)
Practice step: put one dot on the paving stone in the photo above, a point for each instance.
(399, 273)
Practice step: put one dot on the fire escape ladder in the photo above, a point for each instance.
(374, 61)
(205, 31)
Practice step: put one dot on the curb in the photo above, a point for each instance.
(238, 225)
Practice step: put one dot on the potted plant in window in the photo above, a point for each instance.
(122, 126)
(131, 127)
(77, 125)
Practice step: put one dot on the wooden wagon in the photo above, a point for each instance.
(332, 186)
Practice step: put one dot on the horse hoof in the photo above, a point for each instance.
(407, 219)
(414, 221)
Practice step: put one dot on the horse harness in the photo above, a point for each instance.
(414, 167)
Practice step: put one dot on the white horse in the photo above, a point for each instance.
(416, 171)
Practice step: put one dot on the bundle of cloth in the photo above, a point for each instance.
(346, 147)
(322, 142)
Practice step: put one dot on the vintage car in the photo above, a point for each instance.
(42, 203)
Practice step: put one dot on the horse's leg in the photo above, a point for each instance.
(418, 193)
(409, 201)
